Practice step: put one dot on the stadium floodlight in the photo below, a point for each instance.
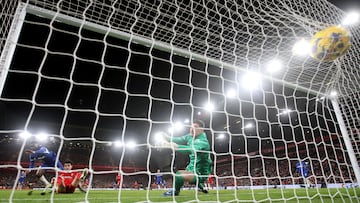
(333, 93)
(274, 66)
(118, 143)
(209, 107)
(25, 135)
(170, 130)
(199, 113)
(251, 80)
(221, 136)
(301, 48)
(285, 111)
(42, 136)
(159, 138)
(351, 18)
(130, 144)
(249, 125)
(178, 126)
(231, 93)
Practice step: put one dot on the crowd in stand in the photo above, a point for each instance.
(258, 172)
(239, 171)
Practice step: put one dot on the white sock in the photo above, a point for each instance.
(43, 179)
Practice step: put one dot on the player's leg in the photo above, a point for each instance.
(79, 181)
(180, 177)
(159, 183)
(40, 174)
(31, 188)
(206, 186)
(308, 182)
(84, 174)
(19, 186)
(76, 180)
(67, 187)
(209, 184)
(54, 184)
(203, 171)
(118, 184)
(61, 187)
(199, 181)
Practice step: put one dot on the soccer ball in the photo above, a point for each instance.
(330, 43)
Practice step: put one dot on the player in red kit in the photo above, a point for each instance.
(118, 180)
(210, 181)
(69, 180)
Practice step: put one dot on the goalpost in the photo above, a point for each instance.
(96, 73)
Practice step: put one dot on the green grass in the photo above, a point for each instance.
(127, 196)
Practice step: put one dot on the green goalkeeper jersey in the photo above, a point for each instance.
(198, 148)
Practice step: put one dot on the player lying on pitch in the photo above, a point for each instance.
(68, 180)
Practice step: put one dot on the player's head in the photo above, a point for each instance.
(197, 127)
(35, 145)
(68, 165)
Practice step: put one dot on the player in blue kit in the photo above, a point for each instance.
(158, 179)
(303, 169)
(21, 181)
(48, 158)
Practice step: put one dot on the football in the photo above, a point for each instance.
(330, 43)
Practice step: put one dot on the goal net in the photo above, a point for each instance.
(100, 79)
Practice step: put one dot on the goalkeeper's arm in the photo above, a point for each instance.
(171, 145)
(182, 148)
(170, 141)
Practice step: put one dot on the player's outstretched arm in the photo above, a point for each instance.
(29, 151)
(171, 145)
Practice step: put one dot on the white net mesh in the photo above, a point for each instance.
(94, 74)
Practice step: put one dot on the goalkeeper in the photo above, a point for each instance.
(197, 146)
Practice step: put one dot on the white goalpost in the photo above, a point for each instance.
(103, 78)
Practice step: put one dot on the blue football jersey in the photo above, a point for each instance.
(303, 168)
(47, 157)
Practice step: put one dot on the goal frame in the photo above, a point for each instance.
(10, 44)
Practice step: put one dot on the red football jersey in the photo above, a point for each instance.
(68, 177)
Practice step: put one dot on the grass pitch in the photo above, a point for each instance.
(130, 196)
